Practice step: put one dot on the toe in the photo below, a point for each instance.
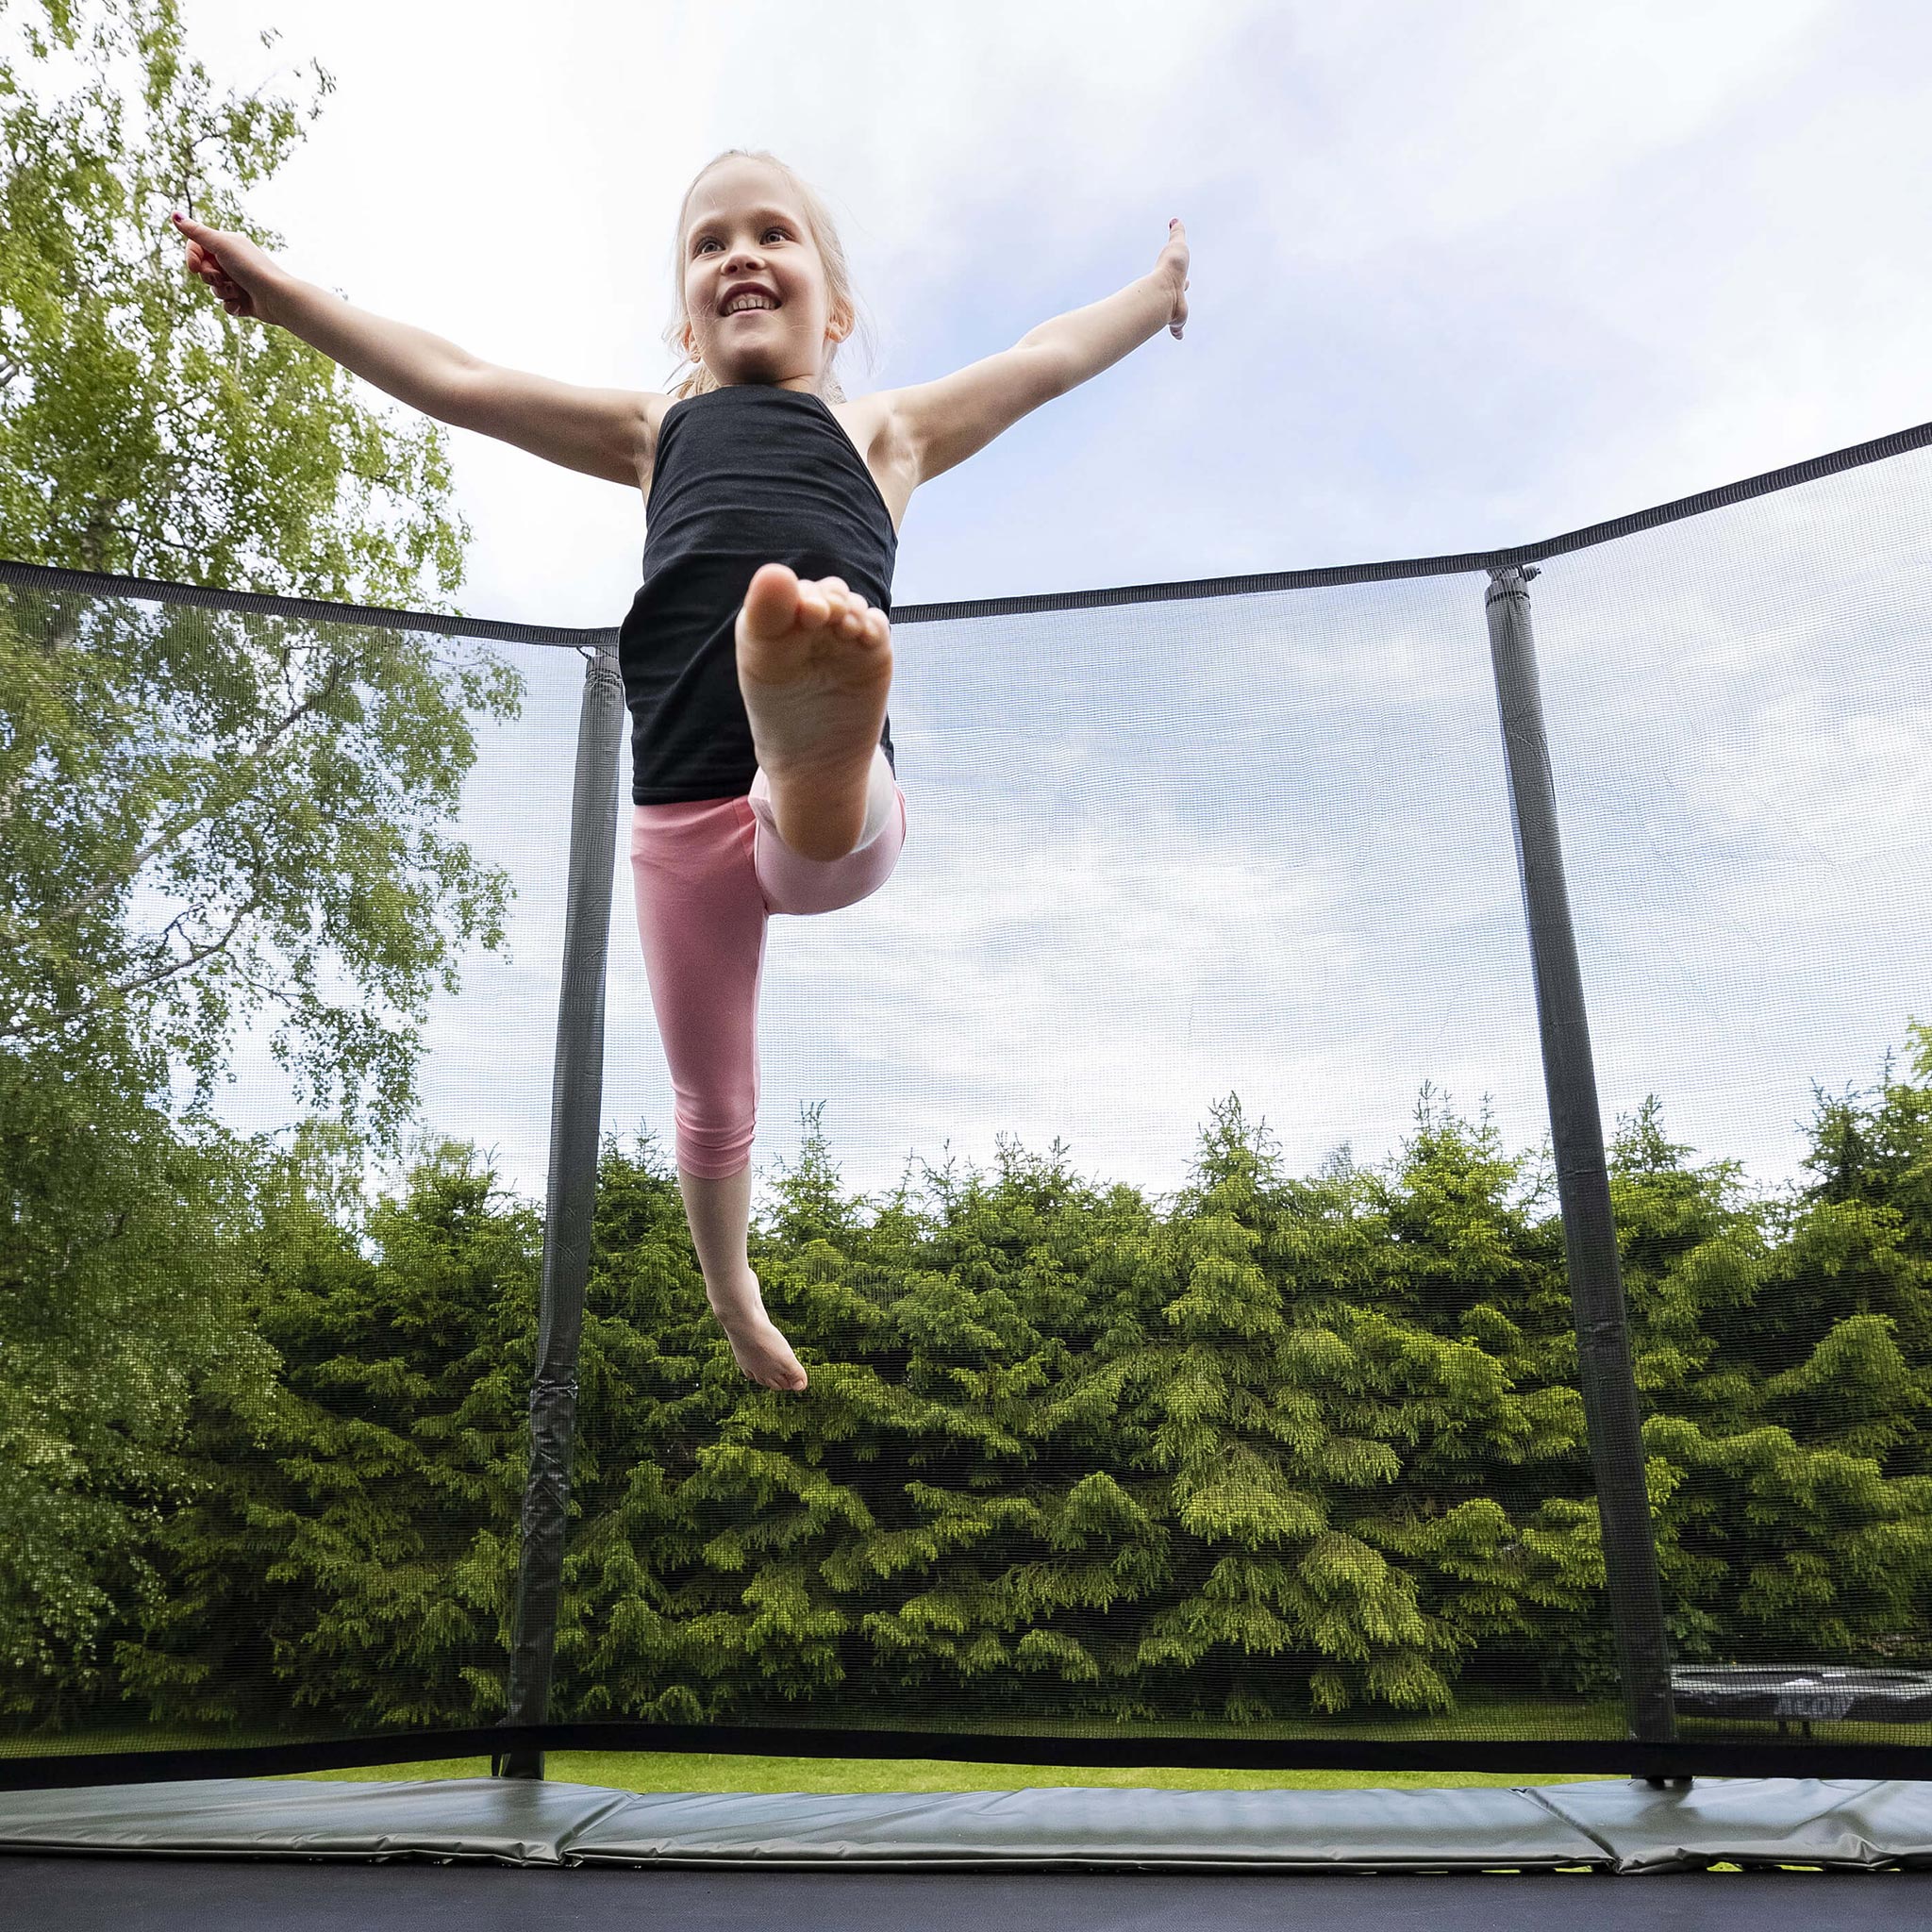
(772, 599)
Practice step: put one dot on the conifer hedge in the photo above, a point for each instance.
(1276, 1449)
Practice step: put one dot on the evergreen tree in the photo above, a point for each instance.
(351, 1543)
(1276, 1428)
(656, 1383)
(1786, 1359)
(1026, 1525)
(1470, 1330)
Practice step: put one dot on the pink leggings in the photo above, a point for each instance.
(709, 874)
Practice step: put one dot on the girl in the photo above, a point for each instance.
(756, 655)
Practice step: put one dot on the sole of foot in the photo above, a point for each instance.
(757, 1347)
(814, 665)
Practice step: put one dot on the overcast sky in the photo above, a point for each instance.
(1463, 277)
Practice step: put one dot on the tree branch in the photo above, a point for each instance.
(217, 802)
(120, 991)
(149, 537)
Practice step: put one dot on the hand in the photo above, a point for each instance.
(1174, 265)
(232, 266)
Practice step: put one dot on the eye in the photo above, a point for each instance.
(781, 233)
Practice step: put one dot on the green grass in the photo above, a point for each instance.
(1485, 1714)
(677, 1771)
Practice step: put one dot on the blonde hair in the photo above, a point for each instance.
(692, 377)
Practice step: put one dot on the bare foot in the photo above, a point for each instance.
(757, 1346)
(814, 663)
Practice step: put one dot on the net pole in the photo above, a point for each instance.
(576, 1094)
(1583, 1181)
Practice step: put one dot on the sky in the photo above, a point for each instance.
(1462, 278)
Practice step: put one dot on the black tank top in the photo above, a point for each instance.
(743, 477)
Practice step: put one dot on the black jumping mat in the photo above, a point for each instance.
(228, 1895)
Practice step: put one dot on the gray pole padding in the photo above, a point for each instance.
(1583, 1181)
(576, 1094)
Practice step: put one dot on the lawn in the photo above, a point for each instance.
(673, 1771)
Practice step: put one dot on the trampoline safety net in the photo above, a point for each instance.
(1250, 1317)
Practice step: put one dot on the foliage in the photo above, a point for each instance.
(207, 815)
(341, 1541)
(1281, 1448)
(1288, 1449)
(208, 822)
(1786, 1347)
(122, 1278)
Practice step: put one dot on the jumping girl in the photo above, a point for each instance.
(757, 654)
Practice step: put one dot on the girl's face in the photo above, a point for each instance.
(756, 304)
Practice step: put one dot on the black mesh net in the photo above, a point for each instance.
(1738, 708)
(1155, 1179)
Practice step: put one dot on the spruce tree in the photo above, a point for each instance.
(350, 1549)
(1466, 1326)
(1789, 1374)
(1275, 1435)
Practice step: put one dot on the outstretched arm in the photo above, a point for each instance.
(939, 424)
(602, 432)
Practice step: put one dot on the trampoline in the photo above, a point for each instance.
(1359, 1203)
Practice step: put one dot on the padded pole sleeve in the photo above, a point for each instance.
(1583, 1181)
(576, 1094)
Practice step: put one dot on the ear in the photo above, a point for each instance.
(841, 323)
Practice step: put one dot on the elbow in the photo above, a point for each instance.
(461, 398)
(1051, 366)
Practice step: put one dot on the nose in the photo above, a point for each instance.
(744, 262)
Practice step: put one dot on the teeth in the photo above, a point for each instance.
(744, 302)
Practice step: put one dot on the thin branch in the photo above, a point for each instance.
(120, 991)
(148, 537)
(217, 802)
(10, 793)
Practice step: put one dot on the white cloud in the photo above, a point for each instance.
(1462, 278)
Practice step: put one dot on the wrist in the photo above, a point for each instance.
(1163, 291)
(280, 300)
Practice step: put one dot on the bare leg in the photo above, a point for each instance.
(814, 665)
(719, 1216)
